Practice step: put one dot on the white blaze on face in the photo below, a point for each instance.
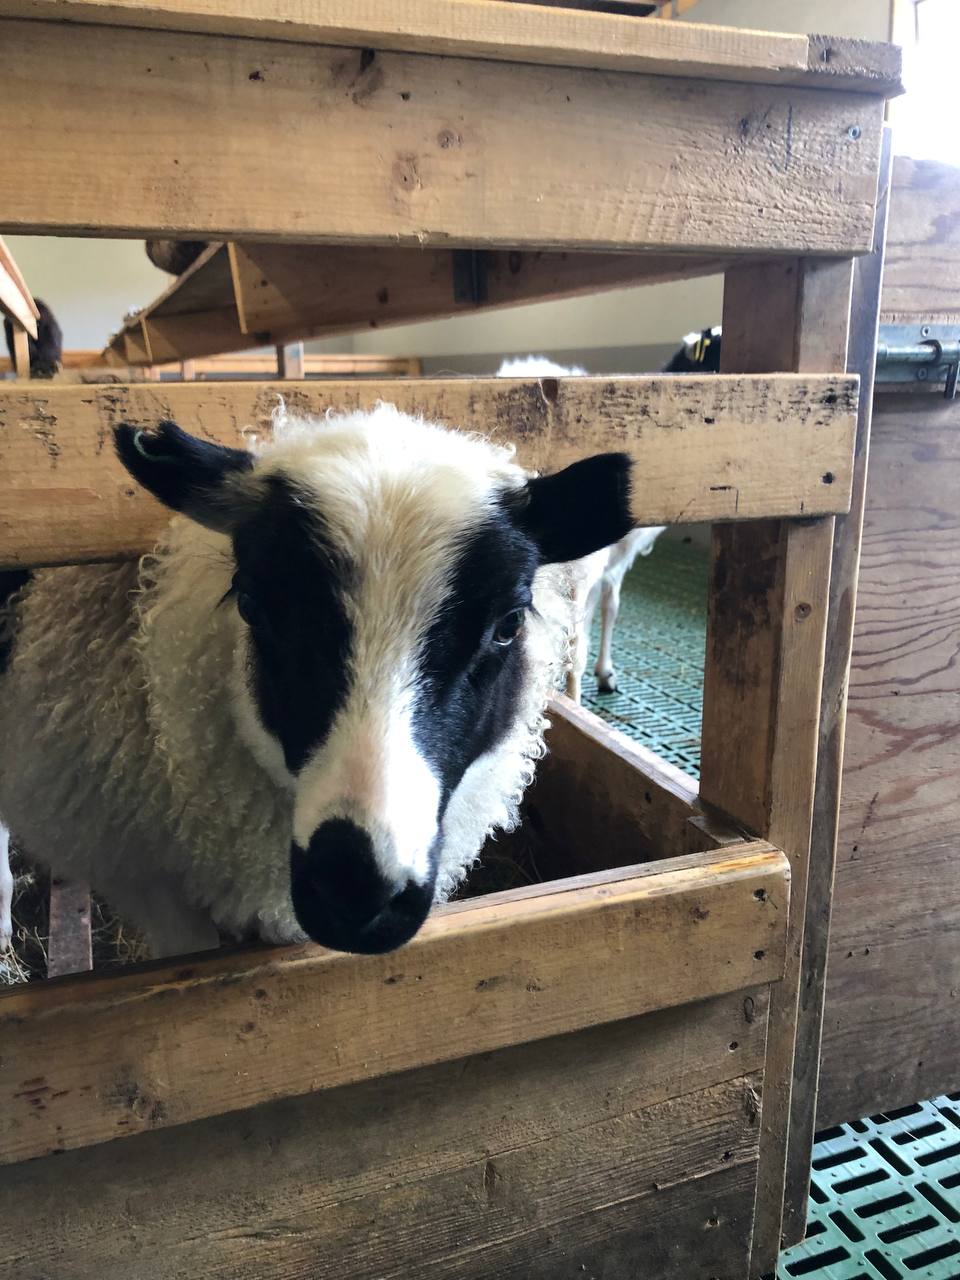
(398, 497)
(370, 771)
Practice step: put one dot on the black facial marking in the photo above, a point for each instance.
(289, 589)
(578, 510)
(473, 658)
(11, 580)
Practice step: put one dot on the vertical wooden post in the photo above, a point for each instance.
(69, 947)
(861, 359)
(21, 350)
(764, 662)
(290, 362)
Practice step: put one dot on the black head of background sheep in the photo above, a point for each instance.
(371, 598)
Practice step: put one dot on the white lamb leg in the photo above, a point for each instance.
(170, 927)
(609, 609)
(581, 640)
(6, 891)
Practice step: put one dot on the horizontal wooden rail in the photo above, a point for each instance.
(706, 448)
(439, 151)
(488, 29)
(89, 1059)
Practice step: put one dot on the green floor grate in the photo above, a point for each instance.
(885, 1192)
(885, 1199)
(658, 654)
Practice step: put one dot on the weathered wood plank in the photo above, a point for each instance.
(707, 448)
(921, 275)
(892, 1022)
(168, 1045)
(844, 572)
(625, 1150)
(487, 29)
(69, 949)
(440, 151)
(595, 780)
(765, 644)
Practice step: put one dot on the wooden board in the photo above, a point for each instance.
(596, 779)
(69, 949)
(439, 151)
(708, 448)
(624, 1150)
(765, 644)
(94, 1058)
(488, 29)
(844, 572)
(892, 1021)
(922, 270)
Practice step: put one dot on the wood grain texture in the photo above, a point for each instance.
(69, 949)
(765, 644)
(594, 780)
(623, 1150)
(844, 573)
(439, 151)
(892, 1021)
(488, 29)
(91, 1059)
(922, 269)
(707, 448)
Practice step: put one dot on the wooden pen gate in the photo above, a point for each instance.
(591, 1074)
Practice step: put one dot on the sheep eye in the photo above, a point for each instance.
(248, 609)
(508, 628)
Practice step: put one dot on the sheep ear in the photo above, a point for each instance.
(186, 474)
(580, 509)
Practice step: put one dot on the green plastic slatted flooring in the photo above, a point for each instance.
(885, 1192)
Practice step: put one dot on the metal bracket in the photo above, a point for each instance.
(470, 276)
(920, 353)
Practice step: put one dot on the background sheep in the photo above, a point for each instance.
(46, 349)
(599, 577)
(306, 711)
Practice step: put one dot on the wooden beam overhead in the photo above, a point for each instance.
(441, 152)
(508, 32)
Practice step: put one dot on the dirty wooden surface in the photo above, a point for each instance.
(844, 572)
(708, 448)
(481, 28)
(440, 151)
(69, 949)
(921, 275)
(628, 1148)
(765, 642)
(892, 1023)
(90, 1059)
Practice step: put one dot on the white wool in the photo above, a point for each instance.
(537, 367)
(129, 758)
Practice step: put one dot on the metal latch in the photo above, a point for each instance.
(920, 353)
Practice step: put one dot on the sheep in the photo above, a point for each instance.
(303, 713)
(698, 353)
(46, 350)
(599, 577)
(175, 256)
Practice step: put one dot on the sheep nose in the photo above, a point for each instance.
(342, 899)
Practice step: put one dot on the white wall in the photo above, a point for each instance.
(90, 284)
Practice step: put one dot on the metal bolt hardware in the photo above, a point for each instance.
(920, 353)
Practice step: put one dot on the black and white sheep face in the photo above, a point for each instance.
(385, 571)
